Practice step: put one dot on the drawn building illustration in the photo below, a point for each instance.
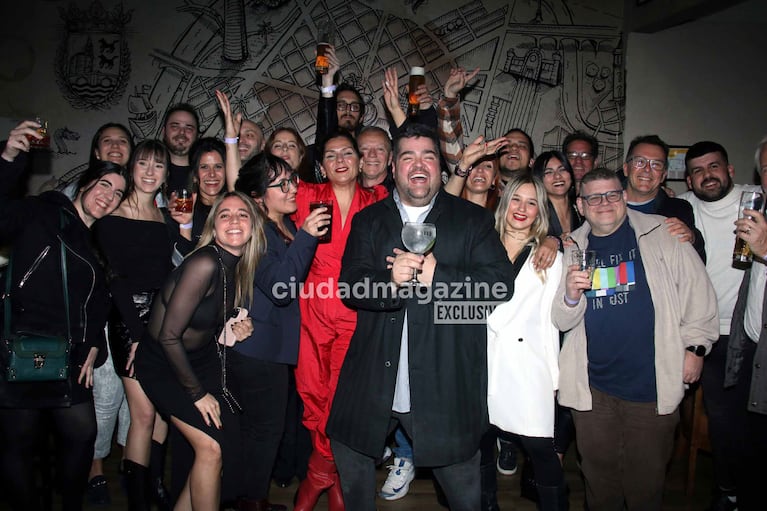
(543, 66)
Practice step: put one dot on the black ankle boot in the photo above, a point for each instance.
(137, 483)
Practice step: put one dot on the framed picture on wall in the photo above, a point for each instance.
(676, 154)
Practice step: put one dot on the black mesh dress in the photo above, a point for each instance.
(181, 362)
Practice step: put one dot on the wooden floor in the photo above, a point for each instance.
(422, 498)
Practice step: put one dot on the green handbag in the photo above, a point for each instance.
(36, 357)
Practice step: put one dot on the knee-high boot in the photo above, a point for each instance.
(138, 486)
(320, 475)
(159, 493)
(336, 495)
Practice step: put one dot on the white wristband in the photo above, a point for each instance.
(231, 140)
(330, 89)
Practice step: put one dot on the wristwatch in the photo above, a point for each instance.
(699, 351)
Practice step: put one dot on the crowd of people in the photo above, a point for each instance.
(277, 327)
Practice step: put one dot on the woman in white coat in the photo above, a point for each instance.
(523, 344)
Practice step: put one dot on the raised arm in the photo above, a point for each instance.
(327, 116)
(449, 128)
(391, 97)
(231, 134)
(12, 164)
(473, 153)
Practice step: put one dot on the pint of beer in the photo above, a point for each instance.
(325, 39)
(741, 254)
(417, 78)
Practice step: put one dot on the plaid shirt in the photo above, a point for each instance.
(450, 130)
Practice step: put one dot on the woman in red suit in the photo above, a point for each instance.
(327, 324)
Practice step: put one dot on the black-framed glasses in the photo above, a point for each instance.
(582, 155)
(342, 106)
(595, 199)
(640, 162)
(284, 184)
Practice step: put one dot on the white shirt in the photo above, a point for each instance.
(755, 300)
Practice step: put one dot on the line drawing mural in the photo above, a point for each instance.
(543, 67)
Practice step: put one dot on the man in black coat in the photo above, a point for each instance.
(418, 356)
(645, 170)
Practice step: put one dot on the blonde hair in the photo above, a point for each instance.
(251, 252)
(540, 228)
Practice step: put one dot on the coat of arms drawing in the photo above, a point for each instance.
(93, 61)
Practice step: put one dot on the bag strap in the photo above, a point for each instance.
(64, 284)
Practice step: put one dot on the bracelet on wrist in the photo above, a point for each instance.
(330, 89)
(462, 173)
(186, 226)
(231, 140)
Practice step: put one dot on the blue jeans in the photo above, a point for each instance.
(403, 448)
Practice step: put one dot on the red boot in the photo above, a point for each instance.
(335, 495)
(320, 475)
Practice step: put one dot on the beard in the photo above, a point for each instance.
(714, 195)
(179, 146)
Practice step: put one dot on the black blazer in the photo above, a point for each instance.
(447, 362)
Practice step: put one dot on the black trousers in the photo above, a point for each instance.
(296, 444)
(727, 415)
(262, 388)
(460, 481)
(24, 434)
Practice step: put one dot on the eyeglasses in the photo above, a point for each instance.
(640, 162)
(595, 199)
(352, 107)
(284, 184)
(572, 155)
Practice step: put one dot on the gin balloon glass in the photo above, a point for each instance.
(418, 238)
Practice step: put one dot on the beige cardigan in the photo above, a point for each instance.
(685, 313)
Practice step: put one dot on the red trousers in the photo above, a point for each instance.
(327, 326)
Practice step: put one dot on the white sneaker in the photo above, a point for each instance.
(385, 456)
(397, 484)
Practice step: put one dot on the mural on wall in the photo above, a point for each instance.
(543, 66)
(93, 61)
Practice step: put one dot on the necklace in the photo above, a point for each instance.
(511, 234)
(228, 397)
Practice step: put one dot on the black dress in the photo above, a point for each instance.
(138, 260)
(180, 364)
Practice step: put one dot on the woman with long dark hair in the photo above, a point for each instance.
(137, 247)
(260, 365)
(39, 228)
